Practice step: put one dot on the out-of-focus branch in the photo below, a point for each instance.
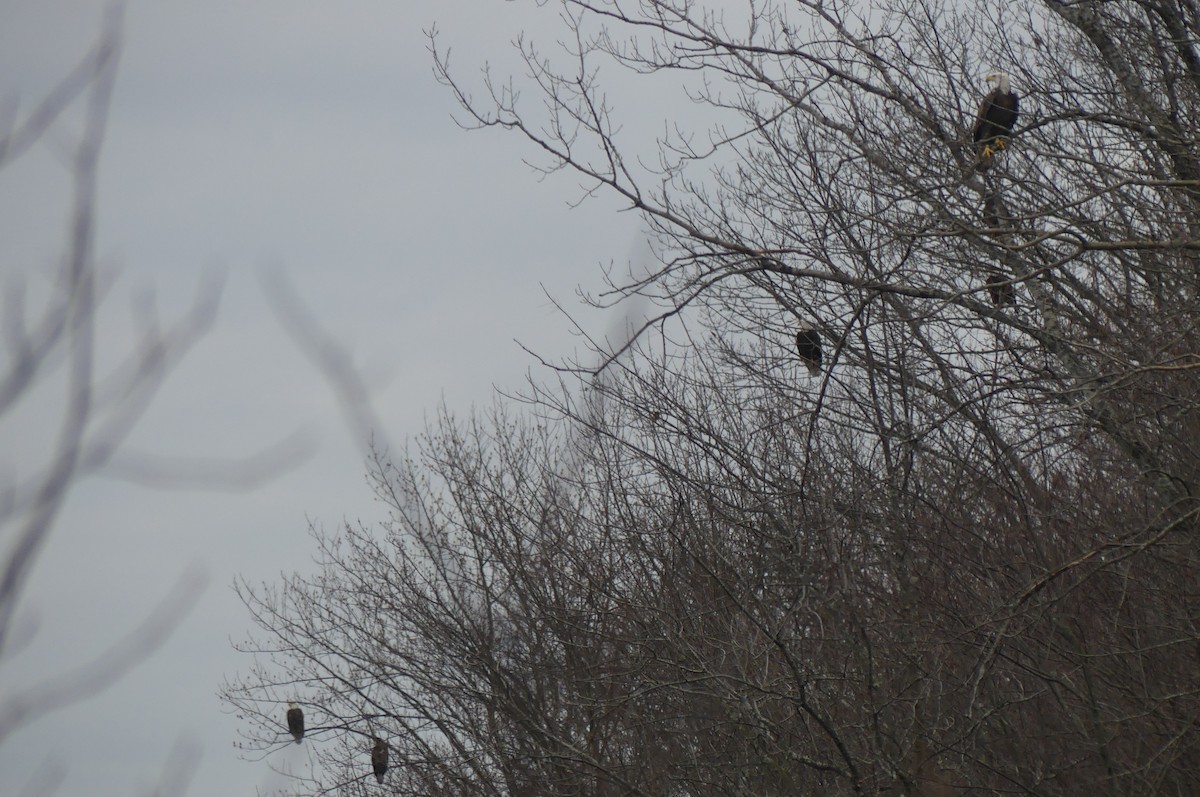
(331, 360)
(93, 677)
(54, 357)
(77, 328)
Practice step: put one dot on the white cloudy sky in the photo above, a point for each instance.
(309, 138)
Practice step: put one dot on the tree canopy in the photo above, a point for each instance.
(960, 560)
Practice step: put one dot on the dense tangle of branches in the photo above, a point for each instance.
(961, 561)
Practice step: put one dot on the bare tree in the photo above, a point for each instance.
(961, 560)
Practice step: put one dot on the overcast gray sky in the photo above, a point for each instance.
(310, 138)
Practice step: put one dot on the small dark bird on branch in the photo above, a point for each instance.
(295, 722)
(808, 346)
(1001, 290)
(379, 758)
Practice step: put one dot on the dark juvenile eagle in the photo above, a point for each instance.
(808, 346)
(295, 721)
(1001, 291)
(997, 116)
(379, 758)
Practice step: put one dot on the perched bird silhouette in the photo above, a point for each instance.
(808, 346)
(997, 116)
(1001, 291)
(295, 721)
(379, 758)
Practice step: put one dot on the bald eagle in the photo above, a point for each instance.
(295, 721)
(808, 346)
(379, 757)
(1001, 291)
(997, 115)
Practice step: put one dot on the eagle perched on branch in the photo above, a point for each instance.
(997, 116)
(379, 758)
(1001, 291)
(295, 722)
(808, 346)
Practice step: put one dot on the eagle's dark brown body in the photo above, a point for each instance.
(295, 722)
(379, 758)
(808, 346)
(1001, 291)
